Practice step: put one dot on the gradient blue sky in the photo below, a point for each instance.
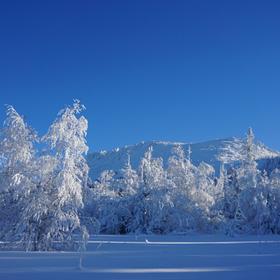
(146, 70)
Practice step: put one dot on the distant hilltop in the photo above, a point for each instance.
(200, 152)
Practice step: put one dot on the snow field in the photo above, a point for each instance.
(152, 257)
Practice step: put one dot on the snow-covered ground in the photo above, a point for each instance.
(153, 257)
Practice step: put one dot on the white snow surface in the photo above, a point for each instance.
(152, 257)
(205, 151)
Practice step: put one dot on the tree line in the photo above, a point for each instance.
(182, 197)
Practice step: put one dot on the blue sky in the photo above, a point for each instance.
(146, 70)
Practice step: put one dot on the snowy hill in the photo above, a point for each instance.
(205, 151)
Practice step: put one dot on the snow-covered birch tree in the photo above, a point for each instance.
(17, 164)
(67, 139)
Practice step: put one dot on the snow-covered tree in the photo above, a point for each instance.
(151, 171)
(181, 173)
(247, 180)
(151, 195)
(219, 190)
(248, 193)
(67, 139)
(204, 197)
(273, 202)
(113, 196)
(35, 219)
(16, 149)
(17, 165)
(222, 182)
(194, 193)
(129, 179)
(106, 197)
(180, 168)
(128, 185)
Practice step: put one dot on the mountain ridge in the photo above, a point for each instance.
(207, 151)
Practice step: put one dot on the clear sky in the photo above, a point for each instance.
(146, 70)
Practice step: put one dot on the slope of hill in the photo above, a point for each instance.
(205, 151)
